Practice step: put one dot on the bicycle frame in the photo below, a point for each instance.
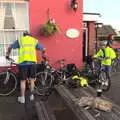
(7, 76)
(61, 72)
(102, 75)
(12, 68)
(50, 77)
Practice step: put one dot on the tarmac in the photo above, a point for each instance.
(10, 109)
(114, 91)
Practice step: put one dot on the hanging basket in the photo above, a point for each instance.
(50, 28)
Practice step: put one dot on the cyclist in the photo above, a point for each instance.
(107, 54)
(27, 46)
(110, 39)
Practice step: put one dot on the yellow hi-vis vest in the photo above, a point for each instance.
(109, 52)
(27, 50)
(82, 81)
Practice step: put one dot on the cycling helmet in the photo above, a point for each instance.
(103, 42)
(25, 33)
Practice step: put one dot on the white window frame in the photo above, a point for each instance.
(15, 33)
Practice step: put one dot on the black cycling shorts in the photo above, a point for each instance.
(27, 71)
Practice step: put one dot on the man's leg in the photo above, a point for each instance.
(32, 86)
(23, 87)
(109, 69)
(32, 81)
(21, 98)
(23, 74)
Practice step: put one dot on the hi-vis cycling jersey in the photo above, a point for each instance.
(106, 52)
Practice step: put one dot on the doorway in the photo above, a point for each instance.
(85, 43)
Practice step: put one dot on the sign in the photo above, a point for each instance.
(72, 33)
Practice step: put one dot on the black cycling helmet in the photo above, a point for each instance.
(25, 33)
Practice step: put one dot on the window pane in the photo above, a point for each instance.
(11, 15)
(9, 22)
(1, 49)
(21, 10)
(1, 16)
(2, 37)
(14, 20)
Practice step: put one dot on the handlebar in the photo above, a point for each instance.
(101, 58)
(61, 60)
(11, 60)
(44, 58)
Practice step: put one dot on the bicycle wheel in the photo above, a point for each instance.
(8, 83)
(114, 66)
(104, 81)
(43, 84)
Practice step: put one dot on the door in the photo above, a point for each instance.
(85, 43)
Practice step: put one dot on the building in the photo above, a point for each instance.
(17, 16)
(105, 31)
(90, 38)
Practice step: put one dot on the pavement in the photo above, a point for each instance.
(114, 90)
(10, 109)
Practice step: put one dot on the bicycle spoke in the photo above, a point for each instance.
(43, 82)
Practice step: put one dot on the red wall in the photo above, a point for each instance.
(58, 46)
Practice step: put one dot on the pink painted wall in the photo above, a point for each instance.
(58, 46)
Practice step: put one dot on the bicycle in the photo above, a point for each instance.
(95, 71)
(116, 61)
(103, 80)
(51, 77)
(8, 79)
(116, 64)
(89, 67)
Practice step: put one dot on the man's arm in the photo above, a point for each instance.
(98, 54)
(44, 54)
(8, 51)
(42, 49)
(14, 45)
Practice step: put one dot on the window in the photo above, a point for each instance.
(14, 20)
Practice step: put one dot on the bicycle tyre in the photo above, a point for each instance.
(43, 83)
(114, 66)
(104, 81)
(9, 87)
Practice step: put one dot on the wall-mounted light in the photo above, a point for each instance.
(74, 5)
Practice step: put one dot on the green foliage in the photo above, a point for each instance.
(117, 38)
(50, 28)
(103, 38)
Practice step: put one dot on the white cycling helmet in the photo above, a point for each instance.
(104, 42)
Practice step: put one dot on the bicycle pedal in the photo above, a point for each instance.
(97, 114)
(87, 107)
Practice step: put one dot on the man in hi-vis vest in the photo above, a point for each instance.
(27, 59)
